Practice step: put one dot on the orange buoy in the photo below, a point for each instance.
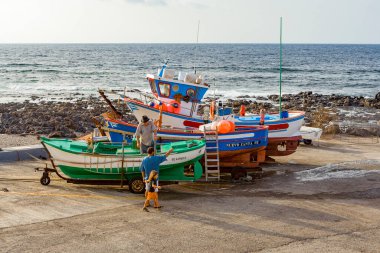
(175, 105)
(224, 127)
(232, 125)
(169, 108)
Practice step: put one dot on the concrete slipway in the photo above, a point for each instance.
(296, 209)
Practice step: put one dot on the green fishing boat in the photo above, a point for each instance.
(80, 162)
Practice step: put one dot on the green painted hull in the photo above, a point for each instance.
(78, 161)
(167, 173)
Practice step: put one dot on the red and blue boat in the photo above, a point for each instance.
(242, 148)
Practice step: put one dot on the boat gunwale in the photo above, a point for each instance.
(196, 131)
(300, 114)
(44, 140)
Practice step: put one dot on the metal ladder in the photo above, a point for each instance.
(211, 155)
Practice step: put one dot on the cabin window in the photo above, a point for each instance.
(152, 86)
(190, 92)
(164, 89)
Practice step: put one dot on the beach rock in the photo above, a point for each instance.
(286, 97)
(377, 97)
(358, 132)
(237, 103)
(273, 97)
(243, 96)
(261, 98)
(332, 129)
(346, 101)
(57, 134)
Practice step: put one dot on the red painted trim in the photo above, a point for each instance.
(279, 126)
(189, 123)
(270, 127)
(281, 139)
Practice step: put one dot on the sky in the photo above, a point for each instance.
(176, 21)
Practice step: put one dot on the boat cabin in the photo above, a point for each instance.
(185, 87)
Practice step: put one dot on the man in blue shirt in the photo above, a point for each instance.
(152, 162)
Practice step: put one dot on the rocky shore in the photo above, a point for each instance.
(74, 118)
(61, 119)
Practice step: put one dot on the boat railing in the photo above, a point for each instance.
(122, 143)
(137, 94)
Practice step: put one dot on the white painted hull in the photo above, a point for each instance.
(293, 123)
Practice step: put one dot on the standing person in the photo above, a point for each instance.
(206, 114)
(152, 194)
(262, 115)
(146, 133)
(152, 162)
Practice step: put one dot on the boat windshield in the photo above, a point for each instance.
(152, 86)
(164, 89)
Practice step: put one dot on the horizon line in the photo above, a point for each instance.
(184, 43)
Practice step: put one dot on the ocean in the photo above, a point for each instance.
(56, 71)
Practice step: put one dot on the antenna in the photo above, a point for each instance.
(196, 48)
(214, 88)
(280, 98)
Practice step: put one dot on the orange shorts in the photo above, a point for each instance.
(152, 196)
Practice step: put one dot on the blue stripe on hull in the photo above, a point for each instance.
(260, 139)
(117, 137)
(256, 122)
(245, 144)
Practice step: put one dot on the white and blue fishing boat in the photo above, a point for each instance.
(180, 96)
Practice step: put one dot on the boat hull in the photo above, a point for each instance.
(232, 146)
(282, 146)
(85, 166)
(280, 127)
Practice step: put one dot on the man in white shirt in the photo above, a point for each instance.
(146, 134)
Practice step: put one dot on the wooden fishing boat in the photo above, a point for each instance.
(243, 148)
(105, 162)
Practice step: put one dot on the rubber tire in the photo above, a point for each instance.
(136, 185)
(45, 181)
(307, 141)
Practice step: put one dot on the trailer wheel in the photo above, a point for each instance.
(237, 173)
(307, 141)
(136, 185)
(45, 180)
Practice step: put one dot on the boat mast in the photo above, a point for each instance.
(280, 98)
(194, 105)
(196, 48)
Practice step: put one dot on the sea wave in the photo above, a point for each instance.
(237, 69)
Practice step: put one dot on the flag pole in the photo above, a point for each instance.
(280, 98)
